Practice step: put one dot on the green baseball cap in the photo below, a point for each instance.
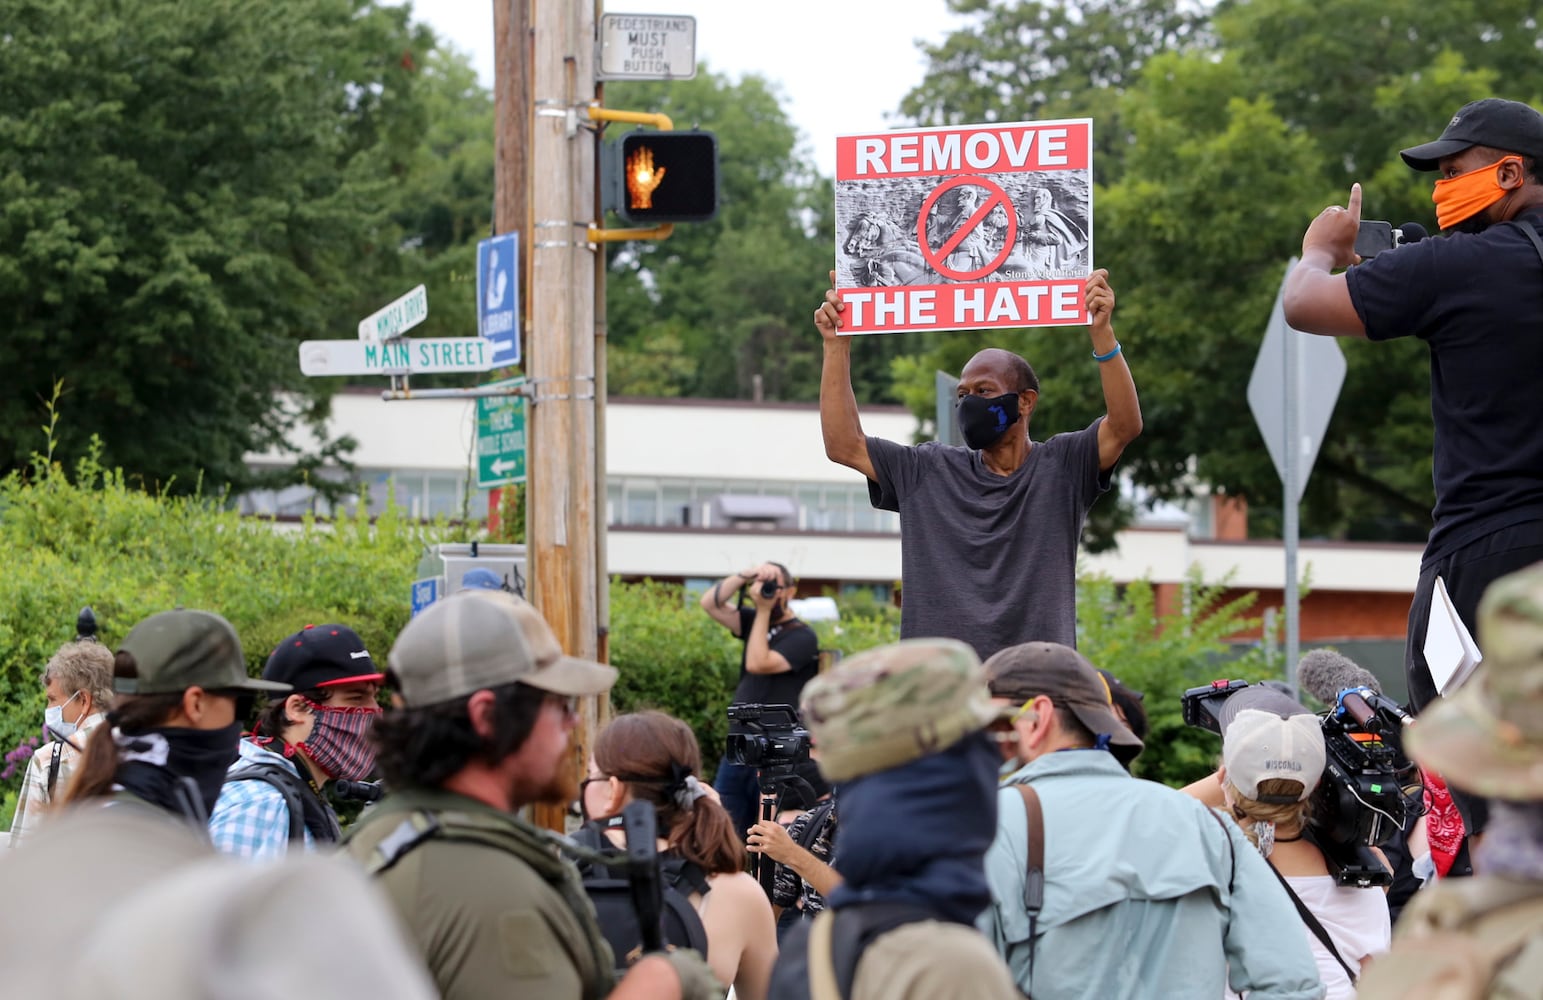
(176, 650)
(889, 706)
(1487, 736)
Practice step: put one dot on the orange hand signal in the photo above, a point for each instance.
(642, 178)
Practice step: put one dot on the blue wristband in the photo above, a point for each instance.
(1110, 356)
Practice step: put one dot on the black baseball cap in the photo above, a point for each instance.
(321, 656)
(1507, 125)
(1065, 676)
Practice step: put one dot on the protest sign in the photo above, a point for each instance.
(965, 228)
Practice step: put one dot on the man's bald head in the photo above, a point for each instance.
(1014, 373)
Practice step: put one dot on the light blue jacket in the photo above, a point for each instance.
(1148, 893)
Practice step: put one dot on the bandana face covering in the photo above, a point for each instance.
(337, 743)
(1458, 199)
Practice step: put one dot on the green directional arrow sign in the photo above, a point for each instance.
(500, 438)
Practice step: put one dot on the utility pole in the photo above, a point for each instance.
(560, 337)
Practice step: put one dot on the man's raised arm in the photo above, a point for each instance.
(1122, 423)
(845, 442)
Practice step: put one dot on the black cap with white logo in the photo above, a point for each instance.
(321, 656)
(1510, 126)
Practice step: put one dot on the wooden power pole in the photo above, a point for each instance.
(560, 338)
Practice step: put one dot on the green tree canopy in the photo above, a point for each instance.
(186, 191)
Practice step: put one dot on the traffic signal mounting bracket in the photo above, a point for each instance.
(598, 234)
(633, 167)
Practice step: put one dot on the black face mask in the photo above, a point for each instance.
(192, 757)
(984, 419)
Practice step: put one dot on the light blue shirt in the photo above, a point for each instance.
(251, 819)
(1148, 893)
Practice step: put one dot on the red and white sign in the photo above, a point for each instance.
(971, 227)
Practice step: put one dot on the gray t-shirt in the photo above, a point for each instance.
(986, 559)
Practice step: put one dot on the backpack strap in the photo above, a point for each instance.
(1531, 233)
(1232, 857)
(53, 768)
(816, 822)
(1034, 876)
(306, 810)
(822, 960)
(418, 827)
(849, 930)
(1312, 922)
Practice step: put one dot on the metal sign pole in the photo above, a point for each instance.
(1290, 491)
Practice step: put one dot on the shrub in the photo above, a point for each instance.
(673, 657)
(92, 538)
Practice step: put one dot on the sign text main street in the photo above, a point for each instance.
(401, 356)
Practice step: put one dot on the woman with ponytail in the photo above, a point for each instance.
(178, 678)
(1273, 757)
(652, 757)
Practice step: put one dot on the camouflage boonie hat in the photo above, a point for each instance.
(1487, 737)
(888, 706)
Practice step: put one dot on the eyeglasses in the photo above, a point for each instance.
(567, 704)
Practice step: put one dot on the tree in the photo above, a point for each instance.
(186, 190)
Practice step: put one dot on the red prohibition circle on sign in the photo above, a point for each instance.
(996, 197)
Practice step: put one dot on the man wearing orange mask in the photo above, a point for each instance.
(1476, 298)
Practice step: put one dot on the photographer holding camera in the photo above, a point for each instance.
(780, 655)
(1273, 757)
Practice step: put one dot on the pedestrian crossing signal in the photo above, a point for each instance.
(660, 177)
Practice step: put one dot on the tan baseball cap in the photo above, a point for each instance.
(479, 639)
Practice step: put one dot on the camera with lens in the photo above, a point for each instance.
(1369, 789)
(769, 588)
(767, 736)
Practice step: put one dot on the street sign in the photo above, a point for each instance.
(397, 318)
(498, 296)
(1320, 374)
(500, 438)
(401, 356)
(647, 47)
(424, 593)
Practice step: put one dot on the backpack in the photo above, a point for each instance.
(611, 894)
(306, 810)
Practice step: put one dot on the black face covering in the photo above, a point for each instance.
(984, 419)
(156, 762)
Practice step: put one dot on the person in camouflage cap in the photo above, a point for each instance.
(900, 731)
(894, 704)
(1483, 936)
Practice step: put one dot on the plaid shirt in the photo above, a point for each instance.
(251, 820)
(33, 801)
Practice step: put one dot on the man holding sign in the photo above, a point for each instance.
(989, 531)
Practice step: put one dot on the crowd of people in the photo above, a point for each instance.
(957, 815)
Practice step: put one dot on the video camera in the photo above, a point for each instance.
(1370, 788)
(766, 736)
(771, 739)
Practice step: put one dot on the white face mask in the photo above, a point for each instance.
(53, 718)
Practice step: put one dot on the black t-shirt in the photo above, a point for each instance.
(1477, 302)
(798, 645)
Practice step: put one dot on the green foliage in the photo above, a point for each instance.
(673, 657)
(90, 537)
(188, 189)
(1163, 652)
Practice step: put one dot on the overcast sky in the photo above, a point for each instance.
(842, 65)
